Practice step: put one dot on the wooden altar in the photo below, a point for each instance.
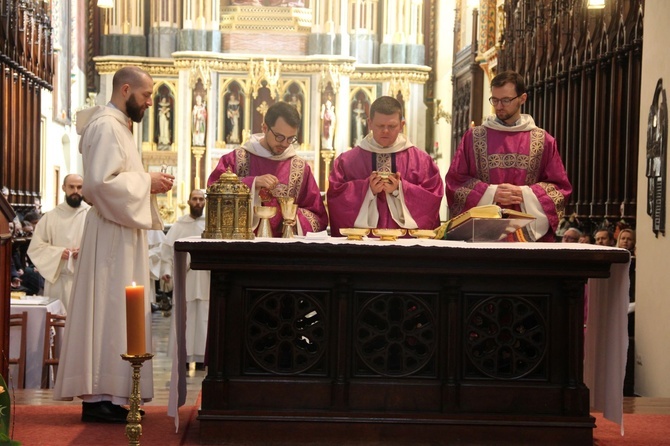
(411, 342)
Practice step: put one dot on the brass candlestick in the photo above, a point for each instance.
(133, 425)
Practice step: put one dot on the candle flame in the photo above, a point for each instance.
(134, 283)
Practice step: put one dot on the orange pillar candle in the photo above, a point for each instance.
(135, 320)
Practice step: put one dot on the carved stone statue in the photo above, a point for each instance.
(164, 112)
(199, 121)
(233, 114)
(328, 119)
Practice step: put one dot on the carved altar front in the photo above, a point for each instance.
(379, 343)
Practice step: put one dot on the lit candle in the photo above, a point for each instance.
(135, 320)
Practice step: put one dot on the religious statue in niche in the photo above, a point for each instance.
(164, 119)
(233, 115)
(657, 140)
(360, 123)
(295, 101)
(199, 121)
(328, 119)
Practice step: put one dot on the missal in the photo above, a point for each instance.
(489, 223)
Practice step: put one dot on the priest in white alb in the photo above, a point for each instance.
(54, 247)
(197, 282)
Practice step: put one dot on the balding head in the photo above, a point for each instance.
(132, 92)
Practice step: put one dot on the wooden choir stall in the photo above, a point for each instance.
(331, 341)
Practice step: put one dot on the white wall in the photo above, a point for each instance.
(652, 321)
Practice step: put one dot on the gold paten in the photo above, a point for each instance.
(228, 209)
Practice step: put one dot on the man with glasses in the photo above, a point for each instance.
(511, 162)
(385, 181)
(268, 164)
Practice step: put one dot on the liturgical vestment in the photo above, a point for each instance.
(113, 255)
(523, 155)
(59, 229)
(351, 203)
(197, 287)
(295, 180)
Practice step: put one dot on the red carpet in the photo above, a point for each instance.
(61, 425)
(639, 430)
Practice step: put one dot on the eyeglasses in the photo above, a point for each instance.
(279, 137)
(503, 101)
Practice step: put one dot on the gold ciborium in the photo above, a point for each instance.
(265, 213)
(288, 213)
(388, 235)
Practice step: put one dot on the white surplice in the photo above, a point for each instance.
(155, 239)
(113, 255)
(59, 229)
(197, 288)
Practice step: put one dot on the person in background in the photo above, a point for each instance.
(113, 254)
(571, 235)
(603, 237)
(626, 240)
(269, 165)
(585, 238)
(197, 282)
(54, 248)
(511, 162)
(385, 181)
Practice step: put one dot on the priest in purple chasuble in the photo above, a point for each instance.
(268, 164)
(511, 162)
(385, 181)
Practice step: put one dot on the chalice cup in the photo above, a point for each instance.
(265, 213)
(288, 213)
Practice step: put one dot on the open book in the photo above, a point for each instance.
(489, 223)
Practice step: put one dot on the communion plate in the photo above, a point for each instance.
(388, 235)
(354, 233)
(422, 233)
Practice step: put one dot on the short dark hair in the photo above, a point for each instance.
(386, 105)
(131, 75)
(283, 110)
(32, 217)
(510, 77)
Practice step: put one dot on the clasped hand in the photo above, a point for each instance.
(161, 182)
(388, 184)
(508, 194)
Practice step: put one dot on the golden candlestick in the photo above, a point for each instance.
(327, 156)
(133, 420)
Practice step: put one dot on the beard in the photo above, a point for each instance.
(74, 200)
(134, 109)
(196, 212)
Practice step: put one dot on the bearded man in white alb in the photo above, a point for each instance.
(54, 248)
(113, 254)
(197, 282)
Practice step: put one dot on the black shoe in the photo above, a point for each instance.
(155, 307)
(200, 366)
(101, 412)
(123, 410)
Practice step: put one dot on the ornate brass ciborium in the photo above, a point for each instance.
(265, 213)
(228, 209)
(288, 213)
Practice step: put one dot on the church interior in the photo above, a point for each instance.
(594, 71)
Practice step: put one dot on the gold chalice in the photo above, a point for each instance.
(354, 233)
(422, 233)
(388, 235)
(265, 213)
(288, 213)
